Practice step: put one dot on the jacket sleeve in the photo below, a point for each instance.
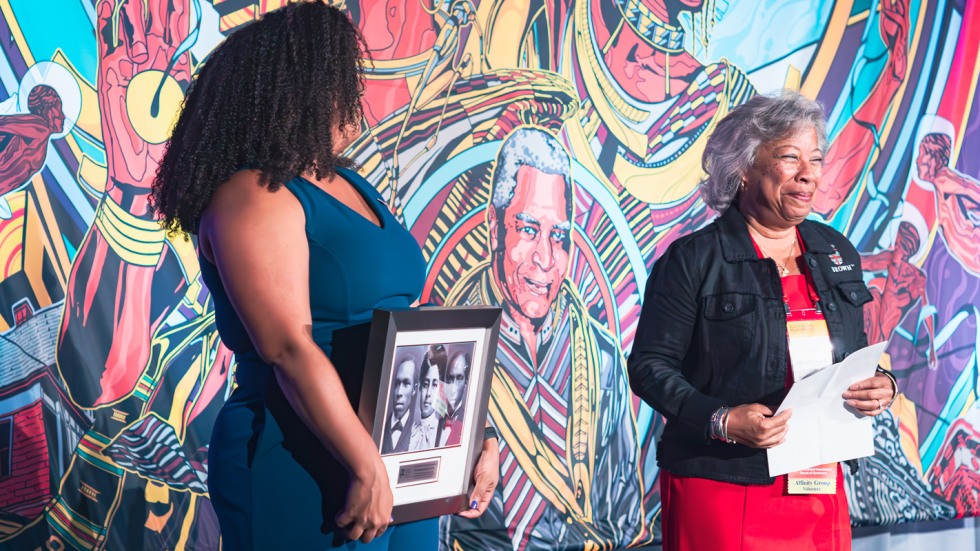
(663, 338)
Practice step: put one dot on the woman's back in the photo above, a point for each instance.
(355, 265)
(263, 456)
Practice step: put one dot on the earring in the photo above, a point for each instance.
(743, 185)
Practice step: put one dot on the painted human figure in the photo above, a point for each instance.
(638, 82)
(24, 137)
(124, 279)
(559, 396)
(404, 388)
(903, 286)
(394, 30)
(120, 351)
(957, 200)
(955, 473)
(860, 138)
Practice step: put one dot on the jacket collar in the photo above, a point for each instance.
(736, 243)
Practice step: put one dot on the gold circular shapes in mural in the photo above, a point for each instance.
(152, 102)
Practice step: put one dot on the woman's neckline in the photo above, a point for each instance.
(369, 201)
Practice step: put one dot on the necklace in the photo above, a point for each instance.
(783, 270)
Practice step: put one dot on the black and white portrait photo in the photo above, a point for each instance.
(427, 397)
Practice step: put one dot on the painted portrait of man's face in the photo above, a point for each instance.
(403, 392)
(536, 241)
(56, 117)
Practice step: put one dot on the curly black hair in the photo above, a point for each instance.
(265, 99)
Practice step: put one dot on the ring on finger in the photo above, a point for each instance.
(878, 402)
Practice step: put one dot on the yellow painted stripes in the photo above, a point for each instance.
(135, 240)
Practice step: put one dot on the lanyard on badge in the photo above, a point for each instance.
(810, 349)
(807, 335)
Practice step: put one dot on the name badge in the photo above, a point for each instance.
(809, 346)
(821, 479)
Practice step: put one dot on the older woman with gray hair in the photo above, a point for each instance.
(734, 314)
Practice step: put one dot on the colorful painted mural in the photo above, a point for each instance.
(111, 370)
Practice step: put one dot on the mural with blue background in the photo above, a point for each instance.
(111, 370)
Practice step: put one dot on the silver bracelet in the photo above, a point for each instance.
(718, 424)
(725, 434)
(893, 381)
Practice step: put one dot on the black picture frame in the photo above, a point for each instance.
(431, 471)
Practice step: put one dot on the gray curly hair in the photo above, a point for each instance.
(534, 148)
(732, 147)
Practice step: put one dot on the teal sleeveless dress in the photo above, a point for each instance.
(271, 482)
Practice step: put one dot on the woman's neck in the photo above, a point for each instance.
(762, 226)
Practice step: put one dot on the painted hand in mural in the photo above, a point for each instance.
(862, 137)
(139, 65)
(395, 40)
(125, 279)
(649, 71)
(894, 23)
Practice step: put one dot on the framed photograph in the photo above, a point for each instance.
(424, 400)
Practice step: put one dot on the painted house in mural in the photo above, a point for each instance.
(39, 426)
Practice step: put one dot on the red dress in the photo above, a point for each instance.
(707, 515)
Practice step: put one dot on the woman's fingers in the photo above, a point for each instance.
(773, 429)
(871, 395)
(480, 498)
(367, 512)
(878, 384)
(371, 533)
(363, 529)
(355, 532)
(757, 426)
(485, 478)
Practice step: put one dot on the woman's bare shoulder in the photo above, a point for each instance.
(244, 194)
(242, 205)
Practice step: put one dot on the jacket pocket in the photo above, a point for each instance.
(854, 292)
(728, 306)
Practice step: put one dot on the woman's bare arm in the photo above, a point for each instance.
(257, 239)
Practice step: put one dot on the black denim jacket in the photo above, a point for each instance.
(712, 333)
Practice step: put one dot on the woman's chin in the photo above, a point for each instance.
(795, 214)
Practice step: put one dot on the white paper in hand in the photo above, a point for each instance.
(823, 428)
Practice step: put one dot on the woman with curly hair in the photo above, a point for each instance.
(296, 249)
